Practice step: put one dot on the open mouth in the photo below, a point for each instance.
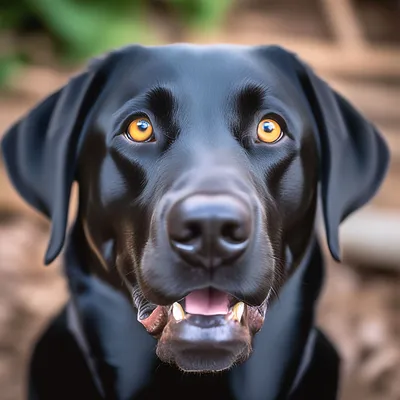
(205, 308)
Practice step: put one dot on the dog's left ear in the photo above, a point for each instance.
(40, 150)
(354, 157)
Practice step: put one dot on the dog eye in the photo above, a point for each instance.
(140, 130)
(269, 131)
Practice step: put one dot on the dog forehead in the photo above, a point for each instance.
(189, 58)
(194, 68)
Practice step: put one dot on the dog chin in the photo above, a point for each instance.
(212, 339)
(204, 343)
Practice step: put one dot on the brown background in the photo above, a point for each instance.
(356, 47)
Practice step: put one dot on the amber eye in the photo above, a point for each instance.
(140, 130)
(269, 131)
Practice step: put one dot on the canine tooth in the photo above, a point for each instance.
(177, 312)
(237, 311)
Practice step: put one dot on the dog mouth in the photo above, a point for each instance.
(205, 306)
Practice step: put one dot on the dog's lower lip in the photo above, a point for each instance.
(156, 321)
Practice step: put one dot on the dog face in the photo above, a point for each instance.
(195, 197)
(198, 170)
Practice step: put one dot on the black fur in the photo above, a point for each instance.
(205, 104)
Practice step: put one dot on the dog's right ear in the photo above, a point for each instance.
(40, 150)
(354, 157)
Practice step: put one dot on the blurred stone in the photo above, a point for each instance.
(371, 237)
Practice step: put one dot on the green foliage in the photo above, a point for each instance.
(9, 64)
(79, 29)
(89, 28)
(202, 12)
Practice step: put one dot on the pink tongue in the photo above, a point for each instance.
(207, 302)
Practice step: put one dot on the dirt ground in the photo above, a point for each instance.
(359, 309)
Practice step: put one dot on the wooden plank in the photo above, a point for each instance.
(380, 102)
(325, 57)
(344, 23)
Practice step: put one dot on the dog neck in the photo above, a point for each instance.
(121, 354)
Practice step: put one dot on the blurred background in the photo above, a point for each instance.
(353, 44)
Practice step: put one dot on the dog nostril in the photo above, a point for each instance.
(232, 232)
(190, 234)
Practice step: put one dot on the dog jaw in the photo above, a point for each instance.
(204, 343)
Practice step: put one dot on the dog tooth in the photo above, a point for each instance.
(237, 311)
(177, 312)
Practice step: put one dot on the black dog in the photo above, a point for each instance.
(198, 172)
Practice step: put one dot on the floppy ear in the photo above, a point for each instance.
(40, 151)
(353, 155)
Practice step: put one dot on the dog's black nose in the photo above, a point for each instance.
(209, 230)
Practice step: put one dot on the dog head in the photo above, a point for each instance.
(198, 172)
